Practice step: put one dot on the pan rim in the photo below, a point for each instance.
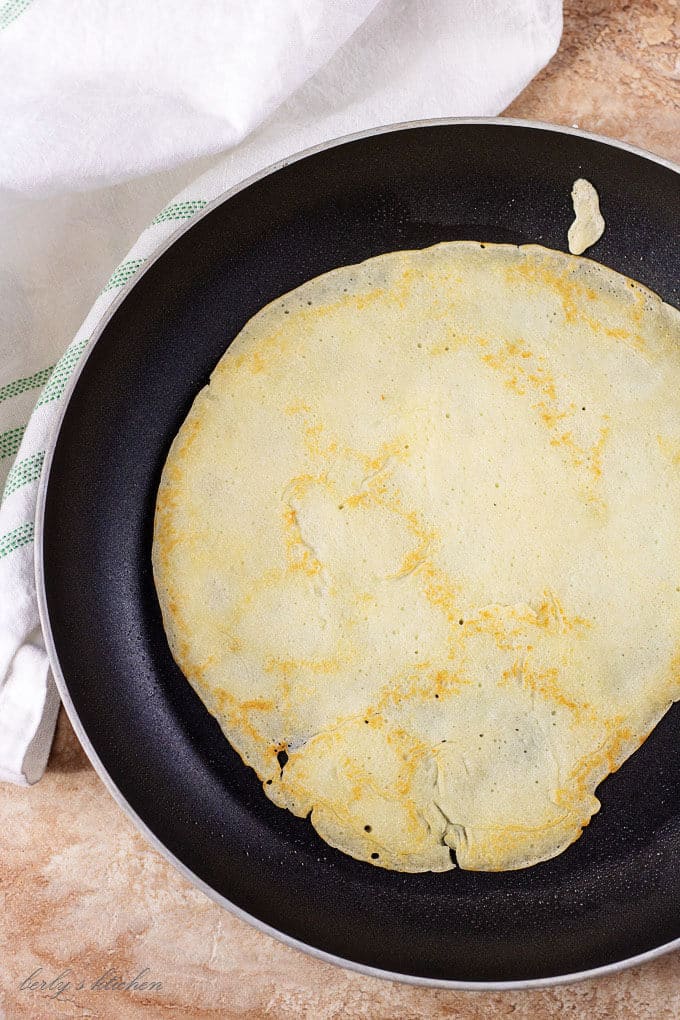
(41, 591)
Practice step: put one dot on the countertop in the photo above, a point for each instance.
(81, 888)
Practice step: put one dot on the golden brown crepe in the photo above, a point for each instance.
(417, 548)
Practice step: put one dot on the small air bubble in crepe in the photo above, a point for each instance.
(374, 857)
(367, 828)
(282, 759)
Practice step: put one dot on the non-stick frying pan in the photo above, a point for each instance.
(612, 896)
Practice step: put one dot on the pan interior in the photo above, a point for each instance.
(611, 895)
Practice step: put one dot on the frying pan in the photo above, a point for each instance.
(613, 897)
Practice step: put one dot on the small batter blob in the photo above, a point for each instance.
(588, 225)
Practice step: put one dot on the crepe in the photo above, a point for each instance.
(417, 548)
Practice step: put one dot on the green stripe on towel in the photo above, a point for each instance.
(11, 10)
(125, 272)
(62, 372)
(14, 540)
(29, 382)
(10, 441)
(23, 472)
(181, 210)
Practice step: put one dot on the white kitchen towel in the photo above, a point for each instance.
(98, 94)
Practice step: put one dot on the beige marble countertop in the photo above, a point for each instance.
(80, 887)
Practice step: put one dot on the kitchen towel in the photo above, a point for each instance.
(107, 110)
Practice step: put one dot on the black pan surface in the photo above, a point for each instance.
(611, 896)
